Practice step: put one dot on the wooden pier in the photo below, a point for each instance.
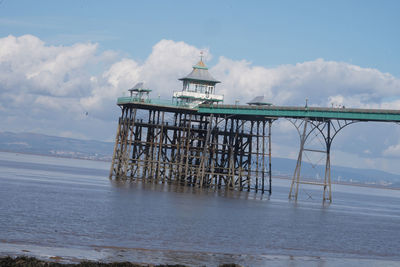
(178, 145)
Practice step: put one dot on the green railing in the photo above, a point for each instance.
(127, 100)
(303, 112)
(152, 101)
(275, 111)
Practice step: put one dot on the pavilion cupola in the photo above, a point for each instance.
(198, 87)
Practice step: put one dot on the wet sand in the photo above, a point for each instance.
(30, 261)
(16, 254)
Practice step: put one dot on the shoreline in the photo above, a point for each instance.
(142, 257)
(54, 262)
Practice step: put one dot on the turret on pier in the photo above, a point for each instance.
(198, 87)
(139, 92)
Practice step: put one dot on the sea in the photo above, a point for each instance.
(67, 210)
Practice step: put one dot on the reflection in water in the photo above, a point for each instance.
(49, 208)
(215, 192)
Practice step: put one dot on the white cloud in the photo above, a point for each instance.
(64, 82)
(322, 82)
(284, 126)
(392, 151)
(367, 151)
(30, 69)
(168, 61)
(121, 75)
(28, 64)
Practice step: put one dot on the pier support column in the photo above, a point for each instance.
(327, 129)
(123, 141)
(296, 176)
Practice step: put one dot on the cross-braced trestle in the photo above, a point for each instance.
(309, 129)
(187, 148)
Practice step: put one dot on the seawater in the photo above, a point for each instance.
(68, 209)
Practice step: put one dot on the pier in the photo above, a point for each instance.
(195, 140)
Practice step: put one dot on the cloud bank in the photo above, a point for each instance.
(50, 88)
(323, 82)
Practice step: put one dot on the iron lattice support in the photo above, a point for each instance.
(186, 148)
(327, 129)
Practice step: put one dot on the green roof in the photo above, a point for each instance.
(200, 73)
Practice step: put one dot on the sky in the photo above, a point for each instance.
(61, 60)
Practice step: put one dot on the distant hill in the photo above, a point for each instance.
(55, 146)
(98, 150)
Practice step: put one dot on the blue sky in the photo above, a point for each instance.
(61, 59)
(267, 33)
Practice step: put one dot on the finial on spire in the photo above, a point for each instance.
(200, 64)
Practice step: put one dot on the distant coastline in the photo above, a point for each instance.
(62, 147)
(53, 156)
(283, 177)
(342, 183)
